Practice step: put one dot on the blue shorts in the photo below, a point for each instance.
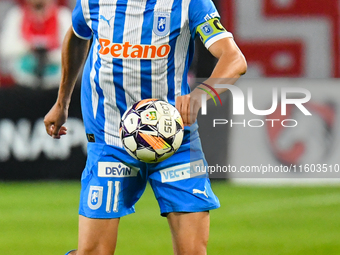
(113, 181)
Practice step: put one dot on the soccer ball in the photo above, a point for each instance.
(151, 130)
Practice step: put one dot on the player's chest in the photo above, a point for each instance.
(140, 21)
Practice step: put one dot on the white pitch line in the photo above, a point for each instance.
(286, 203)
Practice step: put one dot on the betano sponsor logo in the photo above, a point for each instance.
(133, 51)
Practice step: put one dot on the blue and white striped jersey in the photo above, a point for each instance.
(141, 49)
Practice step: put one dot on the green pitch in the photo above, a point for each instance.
(41, 218)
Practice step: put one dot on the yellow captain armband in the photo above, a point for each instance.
(212, 31)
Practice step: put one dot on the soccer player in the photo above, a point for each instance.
(140, 49)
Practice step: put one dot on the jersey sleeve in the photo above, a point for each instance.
(204, 21)
(80, 27)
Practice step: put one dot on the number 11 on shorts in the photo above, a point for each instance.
(109, 196)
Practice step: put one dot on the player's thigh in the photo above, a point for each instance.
(190, 232)
(97, 236)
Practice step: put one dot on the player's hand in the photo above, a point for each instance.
(54, 121)
(188, 106)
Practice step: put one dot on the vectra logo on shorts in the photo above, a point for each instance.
(182, 172)
(133, 51)
(115, 169)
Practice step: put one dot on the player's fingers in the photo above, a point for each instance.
(194, 108)
(192, 111)
(51, 131)
(188, 104)
(48, 127)
(185, 112)
(62, 131)
(55, 131)
(183, 105)
(178, 104)
(181, 109)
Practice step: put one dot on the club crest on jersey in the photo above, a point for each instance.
(161, 23)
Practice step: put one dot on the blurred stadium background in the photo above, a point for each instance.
(287, 43)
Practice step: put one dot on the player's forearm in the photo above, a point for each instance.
(73, 55)
(230, 66)
(228, 70)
